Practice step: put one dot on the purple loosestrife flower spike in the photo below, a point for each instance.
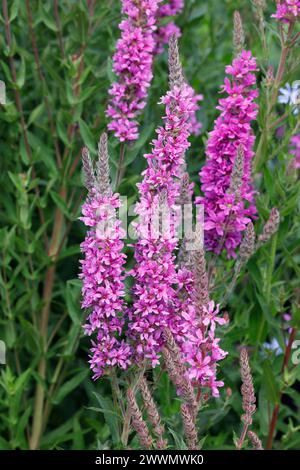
(138, 423)
(287, 11)
(102, 273)
(238, 33)
(226, 218)
(255, 441)
(132, 63)
(155, 271)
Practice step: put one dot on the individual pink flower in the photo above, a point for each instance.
(287, 10)
(132, 63)
(227, 215)
(102, 275)
(166, 31)
(295, 150)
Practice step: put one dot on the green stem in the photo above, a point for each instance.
(268, 286)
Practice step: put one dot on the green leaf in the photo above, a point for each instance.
(14, 10)
(69, 386)
(73, 302)
(87, 136)
(109, 412)
(47, 19)
(132, 153)
(4, 445)
(35, 114)
(272, 389)
(21, 73)
(61, 204)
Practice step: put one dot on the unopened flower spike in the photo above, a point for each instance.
(237, 172)
(238, 33)
(247, 247)
(102, 167)
(88, 170)
(138, 422)
(255, 441)
(270, 227)
(176, 77)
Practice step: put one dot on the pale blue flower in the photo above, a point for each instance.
(290, 95)
(273, 346)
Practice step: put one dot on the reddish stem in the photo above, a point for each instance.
(274, 419)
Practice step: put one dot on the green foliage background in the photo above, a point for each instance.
(62, 87)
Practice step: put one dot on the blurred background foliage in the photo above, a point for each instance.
(56, 62)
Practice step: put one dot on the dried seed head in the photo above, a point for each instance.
(237, 172)
(102, 167)
(189, 427)
(255, 441)
(270, 227)
(238, 34)
(248, 243)
(88, 170)
(138, 423)
(176, 77)
(247, 388)
(152, 413)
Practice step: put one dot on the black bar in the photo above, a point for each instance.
(126, 459)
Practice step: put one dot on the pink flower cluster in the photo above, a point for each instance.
(194, 329)
(102, 275)
(132, 63)
(227, 215)
(165, 31)
(155, 273)
(295, 150)
(287, 10)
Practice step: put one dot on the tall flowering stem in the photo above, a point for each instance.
(155, 270)
(226, 215)
(132, 63)
(102, 268)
